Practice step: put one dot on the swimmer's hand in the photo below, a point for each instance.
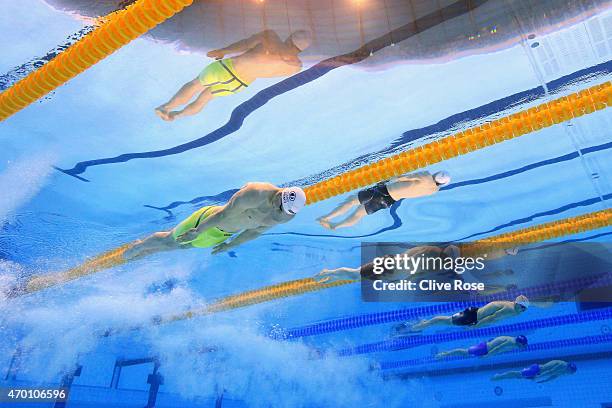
(222, 247)
(216, 54)
(188, 236)
(335, 275)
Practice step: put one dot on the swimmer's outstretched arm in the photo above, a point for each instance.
(266, 36)
(423, 249)
(410, 177)
(488, 319)
(334, 275)
(496, 348)
(507, 376)
(550, 378)
(244, 236)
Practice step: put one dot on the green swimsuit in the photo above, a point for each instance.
(206, 239)
(220, 77)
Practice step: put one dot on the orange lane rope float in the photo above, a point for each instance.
(106, 260)
(539, 233)
(530, 235)
(115, 31)
(560, 110)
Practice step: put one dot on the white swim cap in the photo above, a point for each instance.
(293, 199)
(523, 301)
(301, 39)
(511, 251)
(442, 178)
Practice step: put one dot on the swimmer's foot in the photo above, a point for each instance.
(173, 115)
(162, 112)
(403, 329)
(14, 291)
(326, 224)
(132, 251)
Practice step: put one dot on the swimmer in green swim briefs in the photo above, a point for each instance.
(263, 55)
(252, 210)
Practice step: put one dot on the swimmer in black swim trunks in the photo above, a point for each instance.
(384, 195)
(474, 316)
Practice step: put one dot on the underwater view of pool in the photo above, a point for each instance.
(220, 203)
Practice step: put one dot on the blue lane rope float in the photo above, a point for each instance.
(421, 340)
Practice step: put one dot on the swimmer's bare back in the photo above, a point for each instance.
(271, 58)
(253, 206)
(412, 186)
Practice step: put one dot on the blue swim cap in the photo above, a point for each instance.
(522, 340)
(572, 367)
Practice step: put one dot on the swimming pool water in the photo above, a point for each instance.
(105, 196)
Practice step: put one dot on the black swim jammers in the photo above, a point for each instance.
(466, 318)
(375, 198)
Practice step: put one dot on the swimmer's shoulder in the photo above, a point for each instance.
(417, 177)
(259, 189)
(500, 304)
(259, 186)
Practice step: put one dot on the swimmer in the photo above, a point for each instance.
(428, 251)
(263, 55)
(253, 209)
(354, 274)
(498, 345)
(384, 195)
(490, 313)
(540, 373)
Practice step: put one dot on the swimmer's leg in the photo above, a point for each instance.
(343, 208)
(158, 242)
(182, 97)
(510, 375)
(194, 107)
(438, 320)
(455, 352)
(353, 219)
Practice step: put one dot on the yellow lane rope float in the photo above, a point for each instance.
(116, 30)
(106, 260)
(560, 110)
(539, 233)
(253, 297)
(531, 235)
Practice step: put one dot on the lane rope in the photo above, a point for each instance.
(116, 30)
(542, 232)
(539, 117)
